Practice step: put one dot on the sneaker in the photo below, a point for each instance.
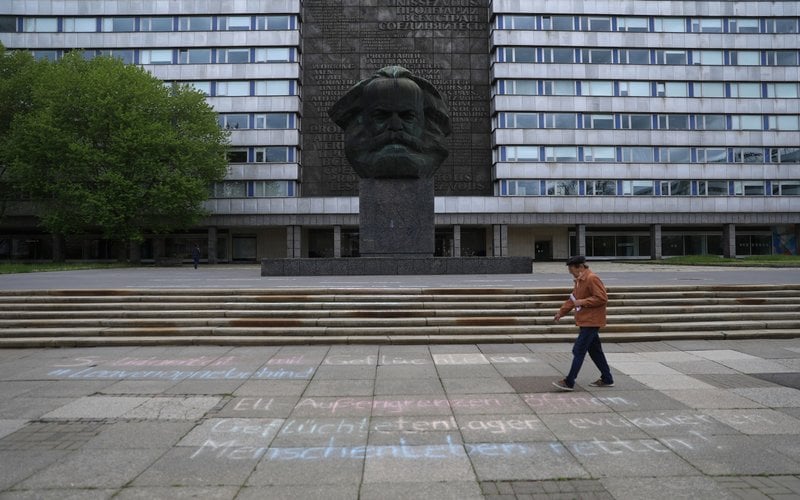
(601, 383)
(562, 384)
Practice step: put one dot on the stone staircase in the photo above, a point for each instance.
(64, 318)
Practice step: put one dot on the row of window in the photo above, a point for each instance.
(263, 154)
(647, 154)
(253, 189)
(675, 243)
(643, 88)
(683, 57)
(243, 88)
(617, 187)
(623, 121)
(244, 121)
(237, 55)
(645, 24)
(14, 24)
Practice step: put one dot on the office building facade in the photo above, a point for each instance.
(615, 129)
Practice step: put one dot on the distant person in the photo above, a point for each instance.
(589, 299)
(196, 255)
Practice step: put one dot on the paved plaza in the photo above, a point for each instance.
(686, 419)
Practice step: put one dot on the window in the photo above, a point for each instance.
(781, 58)
(273, 22)
(600, 153)
(707, 57)
(746, 90)
(49, 55)
(519, 87)
(786, 188)
(8, 24)
(204, 87)
(783, 122)
(710, 122)
(637, 188)
(748, 188)
(522, 187)
(707, 25)
(562, 188)
(233, 56)
(782, 25)
(748, 155)
(742, 25)
(746, 122)
(601, 188)
(237, 155)
(161, 56)
(519, 54)
(274, 54)
(561, 23)
(637, 154)
(670, 24)
(675, 155)
(712, 155)
(595, 23)
(559, 87)
(745, 58)
(782, 90)
(229, 189)
(274, 121)
(784, 155)
(194, 56)
(519, 120)
(118, 24)
(40, 24)
(712, 188)
(519, 153)
(634, 89)
(561, 153)
(518, 22)
(155, 24)
(709, 89)
(596, 56)
(125, 55)
(636, 122)
(671, 57)
(600, 122)
(234, 122)
(273, 87)
(672, 89)
(232, 88)
(270, 189)
(638, 24)
(194, 23)
(673, 122)
(233, 23)
(79, 24)
(597, 88)
(560, 120)
(634, 56)
(562, 56)
(676, 188)
(274, 154)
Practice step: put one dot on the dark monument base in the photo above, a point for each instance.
(362, 266)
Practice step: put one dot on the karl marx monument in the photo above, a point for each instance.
(394, 127)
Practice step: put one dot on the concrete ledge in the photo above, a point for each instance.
(379, 266)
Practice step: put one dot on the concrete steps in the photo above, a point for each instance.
(400, 316)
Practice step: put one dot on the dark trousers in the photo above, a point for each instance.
(588, 341)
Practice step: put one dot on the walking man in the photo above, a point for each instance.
(589, 299)
(196, 255)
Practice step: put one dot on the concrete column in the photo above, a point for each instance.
(580, 239)
(158, 248)
(500, 240)
(294, 247)
(135, 252)
(729, 241)
(337, 241)
(655, 242)
(212, 245)
(58, 248)
(457, 240)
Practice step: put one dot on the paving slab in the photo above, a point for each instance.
(30, 408)
(60, 494)
(677, 423)
(337, 387)
(588, 426)
(698, 367)
(258, 407)
(785, 379)
(272, 388)
(177, 492)
(524, 461)
(665, 488)
(711, 398)
(733, 380)
(388, 386)
(757, 421)
(472, 385)
(417, 464)
(504, 428)
(450, 490)
(307, 432)
(9, 426)
(131, 435)
(674, 382)
(213, 464)
(294, 492)
(20, 464)
(736, 455)
(253, 432)
(318, 465)
(173, 408)
(773, 397)
(97, 407)
(617, 457)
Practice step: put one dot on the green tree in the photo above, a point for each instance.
(106, 146)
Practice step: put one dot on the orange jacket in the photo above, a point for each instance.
(593, 311)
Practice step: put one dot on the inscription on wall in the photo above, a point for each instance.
(444, 41)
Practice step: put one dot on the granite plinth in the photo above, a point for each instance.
(396, 266)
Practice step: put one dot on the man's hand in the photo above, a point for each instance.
(578, 302)
(557, 317)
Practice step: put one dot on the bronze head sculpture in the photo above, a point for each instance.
(395, 124)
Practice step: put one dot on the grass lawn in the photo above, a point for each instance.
(715, 260)
(14, 267)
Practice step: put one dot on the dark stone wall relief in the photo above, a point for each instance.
(443, 41)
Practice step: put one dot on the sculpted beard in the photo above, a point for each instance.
(422, 157)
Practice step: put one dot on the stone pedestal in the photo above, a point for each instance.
(396, 217)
